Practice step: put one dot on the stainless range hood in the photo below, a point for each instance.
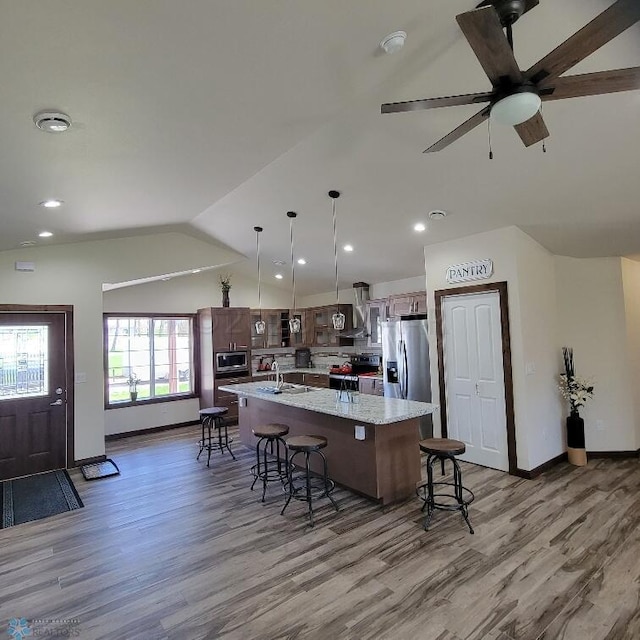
(361, 295)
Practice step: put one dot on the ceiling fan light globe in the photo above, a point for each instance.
(516, 108)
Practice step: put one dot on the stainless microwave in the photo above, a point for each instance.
(232, 361)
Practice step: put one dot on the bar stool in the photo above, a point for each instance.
(274, 468)
(313, 487)
(444, 449)
(213, 418)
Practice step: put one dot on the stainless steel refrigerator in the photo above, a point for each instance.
(405, 362)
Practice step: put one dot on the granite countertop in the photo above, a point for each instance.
(324, 372)
(367, 408)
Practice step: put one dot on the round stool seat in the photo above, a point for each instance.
(442, 447)
(270, 430)
(306, 443)
(213, 411)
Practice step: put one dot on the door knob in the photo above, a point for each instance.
(57, 403)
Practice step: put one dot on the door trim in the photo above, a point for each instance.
(67, 310)
(501, 288)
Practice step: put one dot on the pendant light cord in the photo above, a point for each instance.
(293, 264)
(258, 230)
(335, 251)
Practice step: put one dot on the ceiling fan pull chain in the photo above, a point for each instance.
(489, 129)
(544, 142)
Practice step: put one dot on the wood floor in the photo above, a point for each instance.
(172, 550)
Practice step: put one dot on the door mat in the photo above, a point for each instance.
(97, 470)
(35, 497)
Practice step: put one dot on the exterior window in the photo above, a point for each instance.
(148, 358)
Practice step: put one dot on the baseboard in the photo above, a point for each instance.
(142, 432)
(613, 454)
(79, 463)
(545, 466)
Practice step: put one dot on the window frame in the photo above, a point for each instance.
(195, 335)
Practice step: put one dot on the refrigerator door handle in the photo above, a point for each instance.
(400, 370)
(406, 370)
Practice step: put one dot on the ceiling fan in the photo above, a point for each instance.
(516, 95)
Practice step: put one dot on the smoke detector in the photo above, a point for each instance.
(393, 42)
(52, 121)
(437, 214)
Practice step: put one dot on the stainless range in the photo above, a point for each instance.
(360, 365)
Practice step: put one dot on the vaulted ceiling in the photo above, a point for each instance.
(212, 116)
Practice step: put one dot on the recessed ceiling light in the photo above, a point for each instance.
(27, 243)
(437, 214)
(348, 247)
(51, 204)
(279, 276)
(45, 234)
(393, 42)
(302, 261)
(52, 121)
(196, 270)
(419, 226)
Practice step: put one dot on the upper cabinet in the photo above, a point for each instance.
(320, 331)
(407, 304)
(376, 313)
(230, 328)
(277, 331)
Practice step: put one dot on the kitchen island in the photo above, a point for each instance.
(372, 442)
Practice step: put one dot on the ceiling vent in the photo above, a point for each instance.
(52, 121)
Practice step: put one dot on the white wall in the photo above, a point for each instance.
(528, 270)
(592, 321)
(631, 289)
(73, 274)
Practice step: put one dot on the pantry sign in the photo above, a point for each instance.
(477, 270)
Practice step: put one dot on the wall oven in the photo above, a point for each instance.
(231, 362)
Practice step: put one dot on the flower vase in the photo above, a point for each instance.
(225, 297)
(576, 451)
(134, 395)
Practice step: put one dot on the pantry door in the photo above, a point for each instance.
(34, 401)
(475, 395)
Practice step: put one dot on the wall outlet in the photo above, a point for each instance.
(360, 432)
(530, 368)
(599, 425)
(242, 402)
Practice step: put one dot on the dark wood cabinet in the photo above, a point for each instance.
(316, 380)
(407, 304)
(320, 326)
(221, 329)
(277, 332)
(231, 328)
(293, 378)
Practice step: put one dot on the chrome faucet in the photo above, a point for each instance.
(279, 376)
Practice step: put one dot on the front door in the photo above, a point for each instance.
(33, 407)
(474, 377)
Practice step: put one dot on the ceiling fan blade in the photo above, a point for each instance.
(593, 84)
(484, 32)
(532, 130)
(610, 23)
(433, 103)
(458, 132)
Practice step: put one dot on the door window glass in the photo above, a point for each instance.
(24, 370)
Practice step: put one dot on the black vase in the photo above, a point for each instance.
(225, 297)
(575, 440)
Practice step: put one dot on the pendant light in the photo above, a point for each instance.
(294, 323)
(338, 318)
(260, 324)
